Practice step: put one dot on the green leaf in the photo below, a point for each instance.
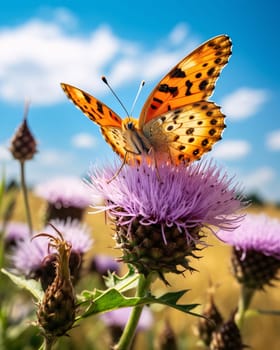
(170, 299)
(98, 301)
(31, 285)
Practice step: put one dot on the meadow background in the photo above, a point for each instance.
(213, 268)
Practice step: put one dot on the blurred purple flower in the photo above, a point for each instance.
(34, 258)
(255, 257)
(65, 192)
(15, 232)
(184, 197)
(119, 318)
(67, 197)
(103, 263)
(260, 233)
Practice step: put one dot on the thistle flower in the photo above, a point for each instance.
(23, 144)
(56, 313)
(15, 232)
(65, 196)
(256, 250)
(159, 213)
(35, 259)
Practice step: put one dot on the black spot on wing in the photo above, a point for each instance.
(87, 97)
(177, 73)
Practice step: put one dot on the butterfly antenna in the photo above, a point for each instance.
(113, 92)
(137, 95)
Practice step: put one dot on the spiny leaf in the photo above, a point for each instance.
(125, 283)
(98, 301)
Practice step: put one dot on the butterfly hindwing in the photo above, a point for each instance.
(186, 133)
(191, 80)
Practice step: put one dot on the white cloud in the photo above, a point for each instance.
(83, 140)
(231, 149)
(244, 102)
(53, 157)
(257, 179)
(178, 34)
(273, 140)
(37, 55)
(4, 153)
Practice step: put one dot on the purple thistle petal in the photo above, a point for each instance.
(200, 194)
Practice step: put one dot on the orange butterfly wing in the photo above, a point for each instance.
(109, 122)
(191, 80)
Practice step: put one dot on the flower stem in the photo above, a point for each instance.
(25, 197)
(245, 299)
(130, 328)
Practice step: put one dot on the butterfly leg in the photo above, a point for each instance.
(153, 154)
(119, 170)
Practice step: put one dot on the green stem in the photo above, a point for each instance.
(130, 328)
(246, 295)
(25, 197)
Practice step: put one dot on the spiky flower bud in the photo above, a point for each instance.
(212, 321)
(23, 144)
(228, 337)
(159, 212)
(56, 312)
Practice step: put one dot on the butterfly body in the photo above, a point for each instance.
(177, 122)
(135, 141)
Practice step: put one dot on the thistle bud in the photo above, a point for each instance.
(23, 143)
(56, 312)
(211, 322)
(228, 337)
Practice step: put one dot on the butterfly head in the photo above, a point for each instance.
(129, 124)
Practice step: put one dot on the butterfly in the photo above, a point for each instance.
(177, 123)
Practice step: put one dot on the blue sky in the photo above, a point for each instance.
(44, 44)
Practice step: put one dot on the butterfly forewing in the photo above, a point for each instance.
(191, 80)
(185, 134)
(97, 111)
